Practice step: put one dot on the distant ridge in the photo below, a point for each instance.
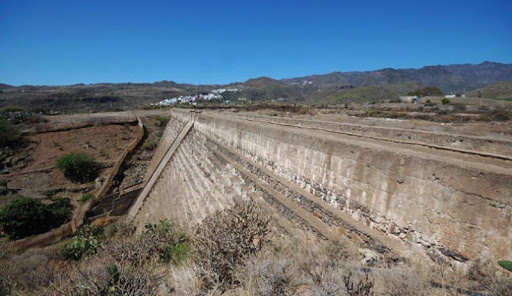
(2, 86)
(450, 78)
(333, 88)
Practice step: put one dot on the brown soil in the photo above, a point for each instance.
(36, 175)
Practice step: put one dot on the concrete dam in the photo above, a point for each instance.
(399, 190)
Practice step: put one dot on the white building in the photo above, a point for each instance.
(409, 99)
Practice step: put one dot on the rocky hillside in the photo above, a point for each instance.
(450, 78)
(499, 90)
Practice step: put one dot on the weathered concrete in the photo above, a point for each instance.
(454, 205)
(134, 210)
(170, 133)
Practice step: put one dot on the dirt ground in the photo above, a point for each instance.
(136, 164)
(493, 129)
(33, 173)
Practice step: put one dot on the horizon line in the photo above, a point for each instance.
(258, 77)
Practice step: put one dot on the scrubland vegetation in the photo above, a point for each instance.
(26, 216)
(234, 252)
(77, 166)
(9, 133)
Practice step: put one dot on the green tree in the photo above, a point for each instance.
(77, 166)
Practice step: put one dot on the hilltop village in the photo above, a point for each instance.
(214, 95)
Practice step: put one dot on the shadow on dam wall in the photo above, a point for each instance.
(393, 195)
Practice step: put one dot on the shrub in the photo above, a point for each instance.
(160, 120)
(272, 274)
(86, 197)
(499, 114)
(59, 211)
(9, 134)
(160, 242)
(404, 281)
(459, 107)
(3, 187)
(84, 243)
(12, 108)
(445, 101)
(77, 166)
(225, 239)
(178, 253)
(500, 286)
(172, 245)
(338, 281)
(149, 145)
(26, 216)
(102, 278)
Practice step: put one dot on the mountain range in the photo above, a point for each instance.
(450, 78)
(332, 88)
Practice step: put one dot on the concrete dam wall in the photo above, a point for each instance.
(447, 196)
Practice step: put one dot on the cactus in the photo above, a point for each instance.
(506, 264)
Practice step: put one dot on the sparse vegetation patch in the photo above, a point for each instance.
(77, 166)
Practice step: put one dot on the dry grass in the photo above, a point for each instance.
(500, 286)
(269, 275)
(489, 276)
(403, 281)
(287, 268)
(103, 276)
(235, 255)
(224, 240)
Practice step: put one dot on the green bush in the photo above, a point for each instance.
(173, 245)
(160, 120)
(60, 211)
(160, 242)
(86, 197)
(445, 101)
(26, 216)
(77, 166)
(12, 108)
(84, 243)
(149, 145)
(178, 253)
(9, 134)
(3, 187)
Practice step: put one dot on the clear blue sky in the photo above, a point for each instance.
(87, 41)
